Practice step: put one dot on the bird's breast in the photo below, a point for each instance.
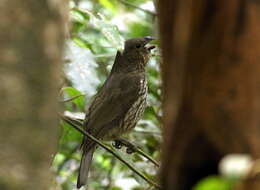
(135, 112)
(132, 115)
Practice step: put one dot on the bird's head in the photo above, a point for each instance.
(137, 49)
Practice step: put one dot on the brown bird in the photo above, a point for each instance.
(120, 102)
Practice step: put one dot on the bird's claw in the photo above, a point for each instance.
(130, 150)
(117, 144)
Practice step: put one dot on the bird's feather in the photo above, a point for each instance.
(85, 164)
(121, 92)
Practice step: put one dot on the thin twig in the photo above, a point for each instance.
(136, 7)
(124, 142)
(150, 188)
(72, 98)
(137, 150)
(78, 122)
(78, 128)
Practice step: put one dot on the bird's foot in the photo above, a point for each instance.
(130, 147)
(117, 144)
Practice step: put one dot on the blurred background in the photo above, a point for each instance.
(202, 120)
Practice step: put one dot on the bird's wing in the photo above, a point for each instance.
(113, 101)
(118, 62)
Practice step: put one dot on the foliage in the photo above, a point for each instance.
(97, 30)
(214, 183)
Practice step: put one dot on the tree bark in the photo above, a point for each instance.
(211, 66)
(32, 37)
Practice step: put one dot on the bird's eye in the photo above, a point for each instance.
(138, 46)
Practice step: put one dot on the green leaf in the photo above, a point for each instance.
(213, 183)
(138, 29)
(72, 92)
(78, 15)
(77, 26)
(83, 43)
(69, 134)
(58, 159)
(107, 4)
(110, 31)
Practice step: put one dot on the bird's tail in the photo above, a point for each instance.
(84, 167)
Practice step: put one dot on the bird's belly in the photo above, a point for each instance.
(132, 116)
(135, 113)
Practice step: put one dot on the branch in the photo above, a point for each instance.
(72, 98)
(124, 142)
(138, 150)
(78, 128)
(75, 121)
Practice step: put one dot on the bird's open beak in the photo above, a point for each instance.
(148, 39)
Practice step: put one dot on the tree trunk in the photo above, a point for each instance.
(211, 73)
(32, 37)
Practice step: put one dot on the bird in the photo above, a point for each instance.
(119, 103)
